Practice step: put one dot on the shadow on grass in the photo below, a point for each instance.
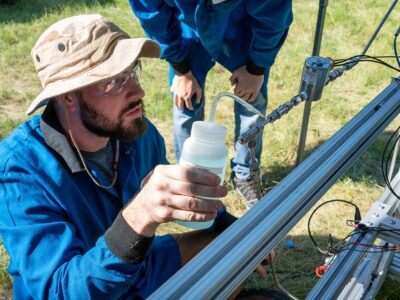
(367, 168)
(27, 10)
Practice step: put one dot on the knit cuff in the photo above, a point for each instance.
(125, 243)
(182, 67)
(252, 68)
(223, 221)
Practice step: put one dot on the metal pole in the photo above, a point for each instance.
(323, 4)
(223, 265)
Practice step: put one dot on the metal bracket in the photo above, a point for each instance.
(377, 216)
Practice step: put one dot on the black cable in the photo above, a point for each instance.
(384, 168)
(341, 60)
(362, 229)
(357, 217)
(334, 250)
(395, 45)
(364, 58)
(381, 63)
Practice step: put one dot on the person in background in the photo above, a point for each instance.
(244, 36)
(85, 185)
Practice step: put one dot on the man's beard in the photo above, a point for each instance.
(101, 125)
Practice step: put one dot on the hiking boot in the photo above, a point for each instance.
(247, 190)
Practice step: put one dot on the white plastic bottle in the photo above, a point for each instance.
(205, 148)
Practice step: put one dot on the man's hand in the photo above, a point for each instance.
(247, 86)
(184, 87)
(267, 261)
(172, 193)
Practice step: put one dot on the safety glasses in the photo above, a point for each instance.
(115, 86)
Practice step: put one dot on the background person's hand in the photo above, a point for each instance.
(247, 86)
(184, 87)
(267, 261)
(172, 193)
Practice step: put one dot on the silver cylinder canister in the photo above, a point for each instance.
(315, 73)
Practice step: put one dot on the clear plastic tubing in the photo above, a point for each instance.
(205, 148)
(248, 106)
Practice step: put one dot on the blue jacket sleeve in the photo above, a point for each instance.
(270, 21)
(46, 251)
(160, 23)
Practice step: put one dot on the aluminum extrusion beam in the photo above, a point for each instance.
(369, 276)
(381, 275)
(339, 273)
(394, 270)
(217, 270)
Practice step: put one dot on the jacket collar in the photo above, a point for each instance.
(55, 138)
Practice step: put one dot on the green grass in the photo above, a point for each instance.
(347, 29)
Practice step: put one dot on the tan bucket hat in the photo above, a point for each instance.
(82, 50)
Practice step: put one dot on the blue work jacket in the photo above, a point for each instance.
(173, 22)
(53, 218)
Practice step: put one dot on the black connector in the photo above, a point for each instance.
(397, 31)
(357, 216)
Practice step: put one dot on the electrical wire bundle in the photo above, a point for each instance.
(366, 58)
(344, 245)
(357, 218)
(360, 228)
(348, 63)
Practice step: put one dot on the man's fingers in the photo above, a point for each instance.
(190, 174)
(184, 215)
(269, 258)
(246, 96)
(190, 181)
(195, 204)
(198, 95)
(233, 79)
(188, 102)
(252, 97)
(178, 102)
(196, 189)
(261, 272)
(238, 91)
(242, 94)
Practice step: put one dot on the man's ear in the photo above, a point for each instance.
(68, 101)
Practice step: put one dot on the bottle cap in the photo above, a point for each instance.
(209, 132)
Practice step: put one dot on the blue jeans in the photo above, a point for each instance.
(201, 63)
